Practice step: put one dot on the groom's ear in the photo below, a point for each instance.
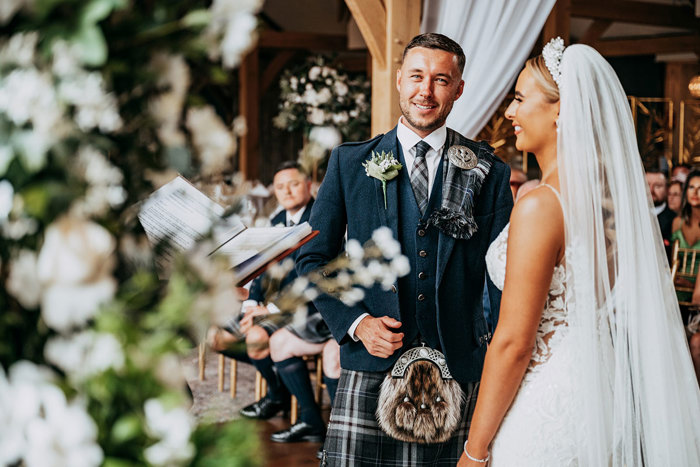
(460, 89)
(398, 79)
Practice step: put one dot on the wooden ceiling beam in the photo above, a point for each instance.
(648, 46)
(594, 31)
(302, 40)
(370, 16)
(653, 14)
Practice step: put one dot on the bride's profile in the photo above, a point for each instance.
(589, 363)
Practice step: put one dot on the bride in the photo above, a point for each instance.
(589, 364)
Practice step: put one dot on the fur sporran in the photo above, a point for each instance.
(422, 406)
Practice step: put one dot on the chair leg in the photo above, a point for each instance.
(234, 376)
(258, 386)
(202, 359)
(294, 413)
(319, 379)
(222, 371)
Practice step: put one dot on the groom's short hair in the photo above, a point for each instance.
(433, 40)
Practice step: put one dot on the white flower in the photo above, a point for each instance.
(236, 22)
(166, 108)
(7, 193)
(39, 427)
(27, 94)
(354, 249)
(316, 116)
(97, 169)
(19, 50)
(341, 118)
(66, 58)
(323, 96)
(8, 8)
(22, 282)
(352, 296)
(212, 139)
(95, 108)
(400, 266)
(384, 239)
(75, 265)
(314, 73)
(84, 354)
(6, 156)
(173, 428)
(340, 88)
(327, 137)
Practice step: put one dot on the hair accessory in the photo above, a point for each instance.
(552, 53)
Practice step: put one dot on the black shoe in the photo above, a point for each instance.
(263, 409)
(300, 431)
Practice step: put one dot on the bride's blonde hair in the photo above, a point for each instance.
(543, 78)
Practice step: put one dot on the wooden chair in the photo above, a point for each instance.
(684, 265)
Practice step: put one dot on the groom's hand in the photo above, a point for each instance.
(378, 336)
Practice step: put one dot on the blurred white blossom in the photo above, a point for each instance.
(22, 281)
(212, 139)
(39, 427)
(104, 179)
(84, 354)
(231, 31)
(75, 265)
(173, 428)
(327, 137)
(384, 239)
(7, 193)
(19, 49)
(173, 74)
(8, 8)
(95, 108)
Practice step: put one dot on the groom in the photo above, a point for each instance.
(445, 210)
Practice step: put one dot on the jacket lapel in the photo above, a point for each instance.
(389, 216)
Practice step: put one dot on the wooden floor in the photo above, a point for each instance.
(211, 404)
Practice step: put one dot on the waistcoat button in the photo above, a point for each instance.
(422, 253)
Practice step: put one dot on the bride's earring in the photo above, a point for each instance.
(556, 123)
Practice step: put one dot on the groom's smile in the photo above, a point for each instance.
(429, 81)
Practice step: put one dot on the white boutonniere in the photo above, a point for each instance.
(384, 167)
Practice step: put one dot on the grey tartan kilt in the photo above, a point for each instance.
(355, 439)
(313, 329)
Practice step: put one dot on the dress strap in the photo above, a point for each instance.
(555, 192)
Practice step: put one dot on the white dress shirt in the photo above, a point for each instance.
(408, 140)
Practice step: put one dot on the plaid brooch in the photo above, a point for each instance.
(460, 188)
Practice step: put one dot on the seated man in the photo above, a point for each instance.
(292, 190)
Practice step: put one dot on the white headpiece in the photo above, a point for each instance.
(552, 53)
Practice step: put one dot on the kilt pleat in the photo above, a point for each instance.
(355, 439)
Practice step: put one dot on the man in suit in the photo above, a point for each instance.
(657, 186)
(445, 211)
(259, 320)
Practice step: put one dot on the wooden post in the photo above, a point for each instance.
(559, 22)
(233, 376)
(222, 371)
(386, 26)
(202, 358)
(249, 103)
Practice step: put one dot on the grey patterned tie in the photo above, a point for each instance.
(419, 176)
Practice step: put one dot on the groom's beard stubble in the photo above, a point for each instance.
(425, 125)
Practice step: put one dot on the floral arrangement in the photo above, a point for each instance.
(319, 95)
(101, 101)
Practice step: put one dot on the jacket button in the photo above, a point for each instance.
(325, 273)
(393, 288)
(421, 297)
(421, 275)
(421, 233)
(422, 253)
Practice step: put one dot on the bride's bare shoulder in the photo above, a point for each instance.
(539, 210)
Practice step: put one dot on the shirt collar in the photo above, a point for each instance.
(660, 208)
(296, 217)
(408, 138)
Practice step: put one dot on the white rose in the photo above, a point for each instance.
(314, 73)
(21, 282)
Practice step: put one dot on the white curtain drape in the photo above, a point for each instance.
(497, 37)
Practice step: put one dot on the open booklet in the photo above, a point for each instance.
(177, 215)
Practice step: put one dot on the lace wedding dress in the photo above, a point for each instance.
(539, 428)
